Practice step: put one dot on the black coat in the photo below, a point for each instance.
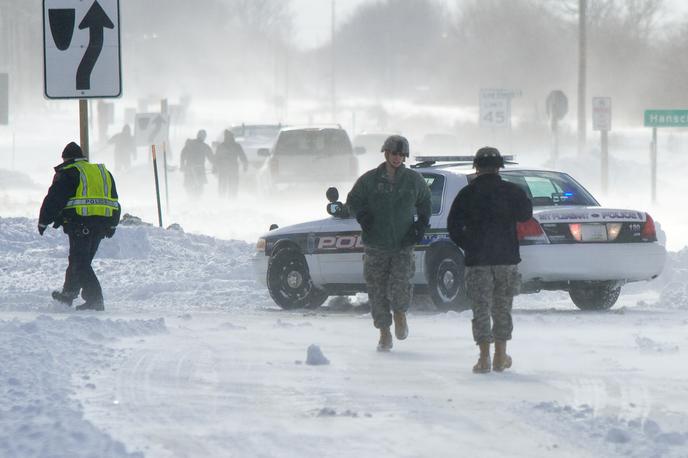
(482, 220)
(65, 184)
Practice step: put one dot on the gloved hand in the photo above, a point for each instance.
(417, 231)
(365, 219)
(109, 232)
(41, 228)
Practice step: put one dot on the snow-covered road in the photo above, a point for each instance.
(226, 385)
(192, 358)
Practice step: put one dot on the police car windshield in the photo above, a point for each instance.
(550, 188)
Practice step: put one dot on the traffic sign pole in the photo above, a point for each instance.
(605, 161)
(157, 184)
(83, 126)
(653, 165)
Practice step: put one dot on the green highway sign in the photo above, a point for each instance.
(666, 118)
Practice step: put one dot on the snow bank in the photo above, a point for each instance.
(142, 267)
(44, 361)
(609, 435)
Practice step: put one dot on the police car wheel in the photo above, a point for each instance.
(447, 288)
(594, 295)
(289, 281)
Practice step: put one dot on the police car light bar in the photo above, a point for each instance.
(468, 159)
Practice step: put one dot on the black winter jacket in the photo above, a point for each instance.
(64, 186)
(482, 220)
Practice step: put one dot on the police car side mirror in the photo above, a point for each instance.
(358, 150)
(263, 152)
(332, 194)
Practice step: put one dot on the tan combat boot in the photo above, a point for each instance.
(385, 343)
(483, 364)
(501, 359)
(400, 325)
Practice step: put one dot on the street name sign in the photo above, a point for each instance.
(81, 49)
(602, 113)
(666, 118)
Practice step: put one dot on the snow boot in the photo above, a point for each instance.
(385, 343)
(501, 359)
(64, 297)
(96, 305)
(400, 325)
(483, 364)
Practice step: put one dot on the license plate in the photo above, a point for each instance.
(594, 233)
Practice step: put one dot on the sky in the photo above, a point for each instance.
(313, 17)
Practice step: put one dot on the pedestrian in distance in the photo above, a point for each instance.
(192, 163)
(384, 201)
(125, 149)
(83, 200)
(482, 222)
(228, 154)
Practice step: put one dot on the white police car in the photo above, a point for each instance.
(571, 244)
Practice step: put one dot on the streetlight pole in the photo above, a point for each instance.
(582, 66)
(332, 81)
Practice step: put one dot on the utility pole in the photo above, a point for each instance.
(332, 81)
(582, 66)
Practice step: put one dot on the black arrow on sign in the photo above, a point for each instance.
(158, 122)
(95, 21)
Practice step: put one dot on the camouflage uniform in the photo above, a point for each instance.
(491, 290)
(388, 274)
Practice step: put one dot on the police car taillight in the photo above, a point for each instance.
(531, 233)
(260, 245)
(648, 232)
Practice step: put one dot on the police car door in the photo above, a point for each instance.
(340, 251)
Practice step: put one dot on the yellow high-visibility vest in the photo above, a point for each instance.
(94, 194)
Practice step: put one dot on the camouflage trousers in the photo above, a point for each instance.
(388, 275)
(491, 290)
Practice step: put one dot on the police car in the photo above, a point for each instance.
(571, 244)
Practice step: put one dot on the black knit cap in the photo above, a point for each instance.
(72, 151)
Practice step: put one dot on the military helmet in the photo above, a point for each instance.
(488, 156)
(396, 144)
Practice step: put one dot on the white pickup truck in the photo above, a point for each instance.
(571, 244)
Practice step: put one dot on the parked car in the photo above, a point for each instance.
(253, 137)
(313, 154)
(571, 244)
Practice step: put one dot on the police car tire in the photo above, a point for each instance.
(289, 281)
(447, 262)
(594, 296)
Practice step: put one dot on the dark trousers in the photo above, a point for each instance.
(83, 244)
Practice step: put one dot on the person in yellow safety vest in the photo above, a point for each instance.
(83, 200)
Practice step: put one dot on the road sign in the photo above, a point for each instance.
(495, 107)
(81, 49)
(557, 105)
(666, 118)
(151, 129)
(602, 113)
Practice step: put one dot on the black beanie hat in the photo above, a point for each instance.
(72, 151)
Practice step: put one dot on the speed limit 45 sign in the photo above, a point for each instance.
(495, 107)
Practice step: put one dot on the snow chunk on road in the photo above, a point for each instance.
(315, 356)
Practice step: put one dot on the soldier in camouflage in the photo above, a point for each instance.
(482, 221)
(384, 201)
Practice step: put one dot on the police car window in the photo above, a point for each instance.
(550, 188)
(436, 185)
